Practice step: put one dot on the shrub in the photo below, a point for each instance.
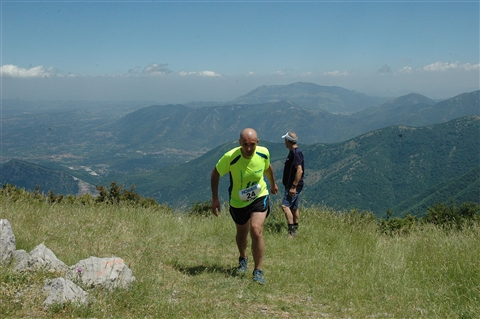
(397, 226)
(451, 216)
(201, 209)
(115, 194)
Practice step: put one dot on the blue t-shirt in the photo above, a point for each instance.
(294, 158)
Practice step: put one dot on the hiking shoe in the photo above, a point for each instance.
(292, 230)
(242, 265)
(258, 277)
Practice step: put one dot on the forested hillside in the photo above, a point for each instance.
(375, 171)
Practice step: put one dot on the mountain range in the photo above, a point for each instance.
(363, 152)
(202, 128)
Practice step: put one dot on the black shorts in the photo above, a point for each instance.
(242, 215)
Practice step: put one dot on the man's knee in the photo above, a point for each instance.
(256, 234)
(256, 229)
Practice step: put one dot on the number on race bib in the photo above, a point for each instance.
(249, 194)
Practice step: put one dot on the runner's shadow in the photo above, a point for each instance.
(198, 270)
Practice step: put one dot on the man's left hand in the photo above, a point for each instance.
(274, 189)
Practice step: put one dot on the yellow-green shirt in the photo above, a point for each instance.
(246, 175)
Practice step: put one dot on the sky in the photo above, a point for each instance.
(183, 51)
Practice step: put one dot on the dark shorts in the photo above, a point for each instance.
(242, 215)
(290, 201)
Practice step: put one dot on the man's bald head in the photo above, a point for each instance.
(248, 141)
(248, 133)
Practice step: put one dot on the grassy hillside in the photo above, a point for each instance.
(340, 265)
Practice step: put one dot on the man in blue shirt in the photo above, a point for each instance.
(293, 172)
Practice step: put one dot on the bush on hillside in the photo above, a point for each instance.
(201, 209)
(115, 194)
(447, 216)
(397, 226)
(452, 216)
(16, 194)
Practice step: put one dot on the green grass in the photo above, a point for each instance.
(339, 266)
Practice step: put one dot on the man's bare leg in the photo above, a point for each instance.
(288, 214)
(257, 220)
(242, 238)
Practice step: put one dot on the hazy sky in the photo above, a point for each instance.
(180, 51)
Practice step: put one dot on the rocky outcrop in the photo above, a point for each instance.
(108, 273)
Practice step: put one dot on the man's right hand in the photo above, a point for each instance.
(215, 207)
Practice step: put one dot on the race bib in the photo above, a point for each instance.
(249, 194)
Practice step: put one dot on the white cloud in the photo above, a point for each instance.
(406, 70)
(202, 73)
(156, 69)
(441, 67)
(35, 72)
(445, 66)
(336, 73)
(470, 67)
(284, 72)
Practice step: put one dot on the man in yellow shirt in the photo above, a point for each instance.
(249, 197)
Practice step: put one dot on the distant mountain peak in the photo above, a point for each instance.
(332, 99)
(412, 98)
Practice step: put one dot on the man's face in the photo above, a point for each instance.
(248, 144)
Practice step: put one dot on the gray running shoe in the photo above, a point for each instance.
(258, 277)
(242, 265)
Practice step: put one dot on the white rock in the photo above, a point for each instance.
(20, 259)
(7, 241)
(43, 258)
(61, 290)
(105, 272)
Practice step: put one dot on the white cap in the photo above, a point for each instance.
(288, 137)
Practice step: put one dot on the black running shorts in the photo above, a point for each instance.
(242, 215)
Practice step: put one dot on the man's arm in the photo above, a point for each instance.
(298, 174)
(214, 181)
(271, 179)
(296, 180)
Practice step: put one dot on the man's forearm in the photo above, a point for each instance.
(298, 175)
(214, 181)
